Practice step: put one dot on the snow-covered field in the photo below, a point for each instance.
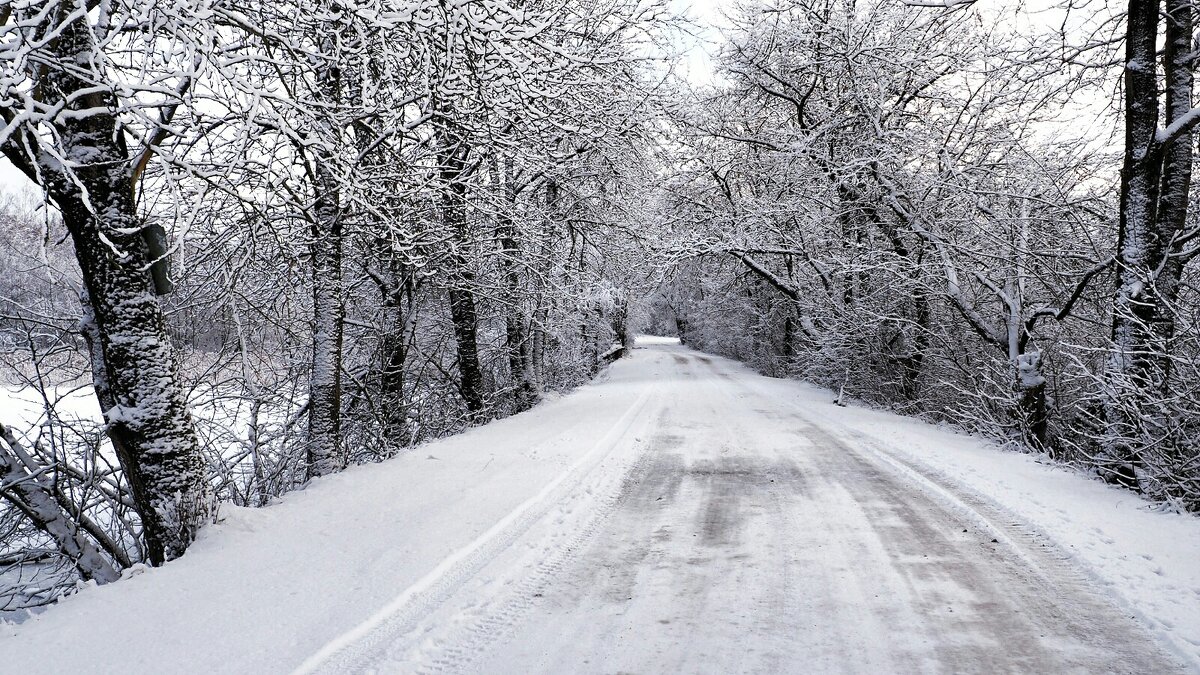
(23, 408)
(680, 515)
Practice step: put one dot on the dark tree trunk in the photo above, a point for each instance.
(516, 341)
(1030, 388)
(1179, 60)
(391, 377)
(850, 215)
(789, 334)
(681, 328)
(325, 452)
(912, 363)
(140, 392)
(620, 322)
(462, 312)
(541, 312)
(1154, 185)
(394, 350)
(397, 284)
(462, 279)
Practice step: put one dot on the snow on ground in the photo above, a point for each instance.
(656, 340)
(506, 547)
(1148, 559)
(264, 589)
(24, 408)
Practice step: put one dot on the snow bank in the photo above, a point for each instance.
(23, 409)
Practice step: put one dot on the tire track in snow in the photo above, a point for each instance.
(401, 615)
(1042, 561)
(975, 506)
(461, 648)
(674, 582)
(494, 620)
(1054, 566)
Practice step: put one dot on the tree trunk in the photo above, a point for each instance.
(394, 351)
(620, 321)
(326, 242)
(1179, 59)
(462, 313)
(1141, 323)
(325, 452)
(1030, 388)
(850, 215)
(913, 363)
(462, 298)
(543, 296)
(516, 342)
(788, 350)
(144, 406)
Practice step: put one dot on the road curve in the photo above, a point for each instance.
(723, 530)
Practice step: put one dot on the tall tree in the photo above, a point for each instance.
(326, 241)
(1154, 197)
(70, 140)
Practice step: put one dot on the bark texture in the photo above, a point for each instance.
(1155, 179)
(462, 299)
(516, 338)
(145, 407)
(326, 453)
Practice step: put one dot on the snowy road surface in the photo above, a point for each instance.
(681, 515)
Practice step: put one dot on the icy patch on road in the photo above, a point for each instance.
(1148, 559)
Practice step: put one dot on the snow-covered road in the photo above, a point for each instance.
(681, 515)
(745, 538)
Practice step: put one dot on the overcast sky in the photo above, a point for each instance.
(11, 180)
(697, 62)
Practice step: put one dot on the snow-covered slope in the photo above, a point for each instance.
(482, 534)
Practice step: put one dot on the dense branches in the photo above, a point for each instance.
(307, 235)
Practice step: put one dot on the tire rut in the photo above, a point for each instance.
(1045, 595)
(402, 622)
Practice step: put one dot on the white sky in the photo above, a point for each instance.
(11, 180)
(697, 64)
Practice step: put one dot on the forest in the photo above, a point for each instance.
(244, 245)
